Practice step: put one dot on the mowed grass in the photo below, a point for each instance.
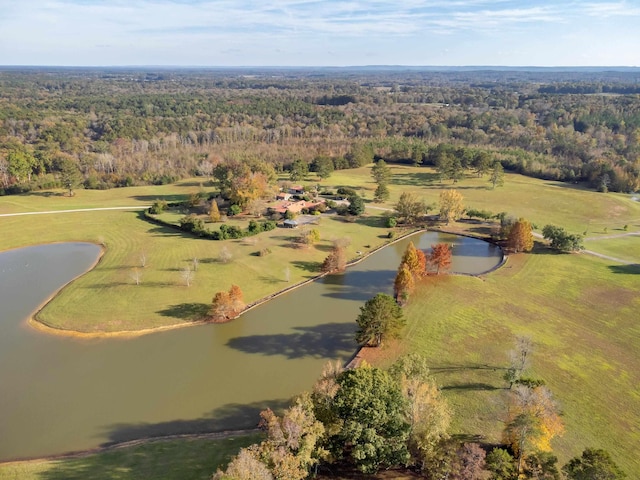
(107, 299)
(582, 314)
(625, 248)
(192, 459)
(540, 201)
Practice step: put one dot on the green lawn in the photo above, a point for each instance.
(625, 248)
(581, 312)
(160, 460)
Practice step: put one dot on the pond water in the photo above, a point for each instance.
(62, 394)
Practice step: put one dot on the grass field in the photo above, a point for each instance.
(161, 460)
(582, 314)
(581, 311)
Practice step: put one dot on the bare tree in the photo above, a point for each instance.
(519, 359)
(287, 274)
(187, 276)
(143, 258)
(136, 275)
(225, 255)
(195, 263)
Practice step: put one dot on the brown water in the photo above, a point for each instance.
(61, 394)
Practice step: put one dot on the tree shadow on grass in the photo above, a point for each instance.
(192, 312)
(167, 198)
(415, 178)
(626, 269)
(313, 267)
(470, 386)
(330, 340)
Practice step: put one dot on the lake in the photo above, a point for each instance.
(62, 394)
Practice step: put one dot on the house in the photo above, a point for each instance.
(296, 190)
(290, 224)
(293, 207)
(284, 196)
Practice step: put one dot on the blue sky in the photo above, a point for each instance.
(317, 33)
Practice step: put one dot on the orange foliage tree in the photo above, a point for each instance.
(533, 420)
(404, 284)
(440, 257)
(415, 260)
(520, 237)
(227, 305)
(336, 261)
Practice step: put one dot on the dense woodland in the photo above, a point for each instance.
(119, 127)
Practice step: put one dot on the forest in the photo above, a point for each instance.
(104, 128)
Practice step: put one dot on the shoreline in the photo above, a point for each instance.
(133, 443)
(42, 327)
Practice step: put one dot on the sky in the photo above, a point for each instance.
(320, 33)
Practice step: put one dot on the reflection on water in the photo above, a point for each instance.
(61, 394)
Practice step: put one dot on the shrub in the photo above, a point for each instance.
(234, 210)
(158, 207)
(391, 222)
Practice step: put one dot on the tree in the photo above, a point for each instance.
(323, 166)
(380, 318)
(381, 172)
(336, 261)
(187, 276)
(404, 284)
(561, 240)
(440, 257)
(415, 260)
(520, 358)
(299, 170)
(541, 466)
(70, 175)
(136, 275)
(451, 207)
(427, 413)
(370, 427)
(481, 163)
(470, 462)
(292, 444)
(356, 205)
(214, 213)
(501, 464)
(20, 165)
(381, 194)
(533, 421)
(245, 466)
(236, 297)
(497, 175)
(410, 209)
(593, 464)
(520, 237)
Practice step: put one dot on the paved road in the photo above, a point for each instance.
(137, 207)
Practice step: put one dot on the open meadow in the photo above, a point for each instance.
(581, 311)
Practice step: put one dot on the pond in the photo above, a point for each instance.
(62, 394)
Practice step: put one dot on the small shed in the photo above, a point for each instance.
(290, 224)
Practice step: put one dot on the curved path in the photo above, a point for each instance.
(601, 255)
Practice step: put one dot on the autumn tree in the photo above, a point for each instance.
(336, 261)
(533, 421)
(246, 465)
(451, 206)
(404, 284)
(440, 257)
(520, 237)
(415, 260)
(380, 318)
(214, 212)
(227, 305)
(427, 413)
(410, 209)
